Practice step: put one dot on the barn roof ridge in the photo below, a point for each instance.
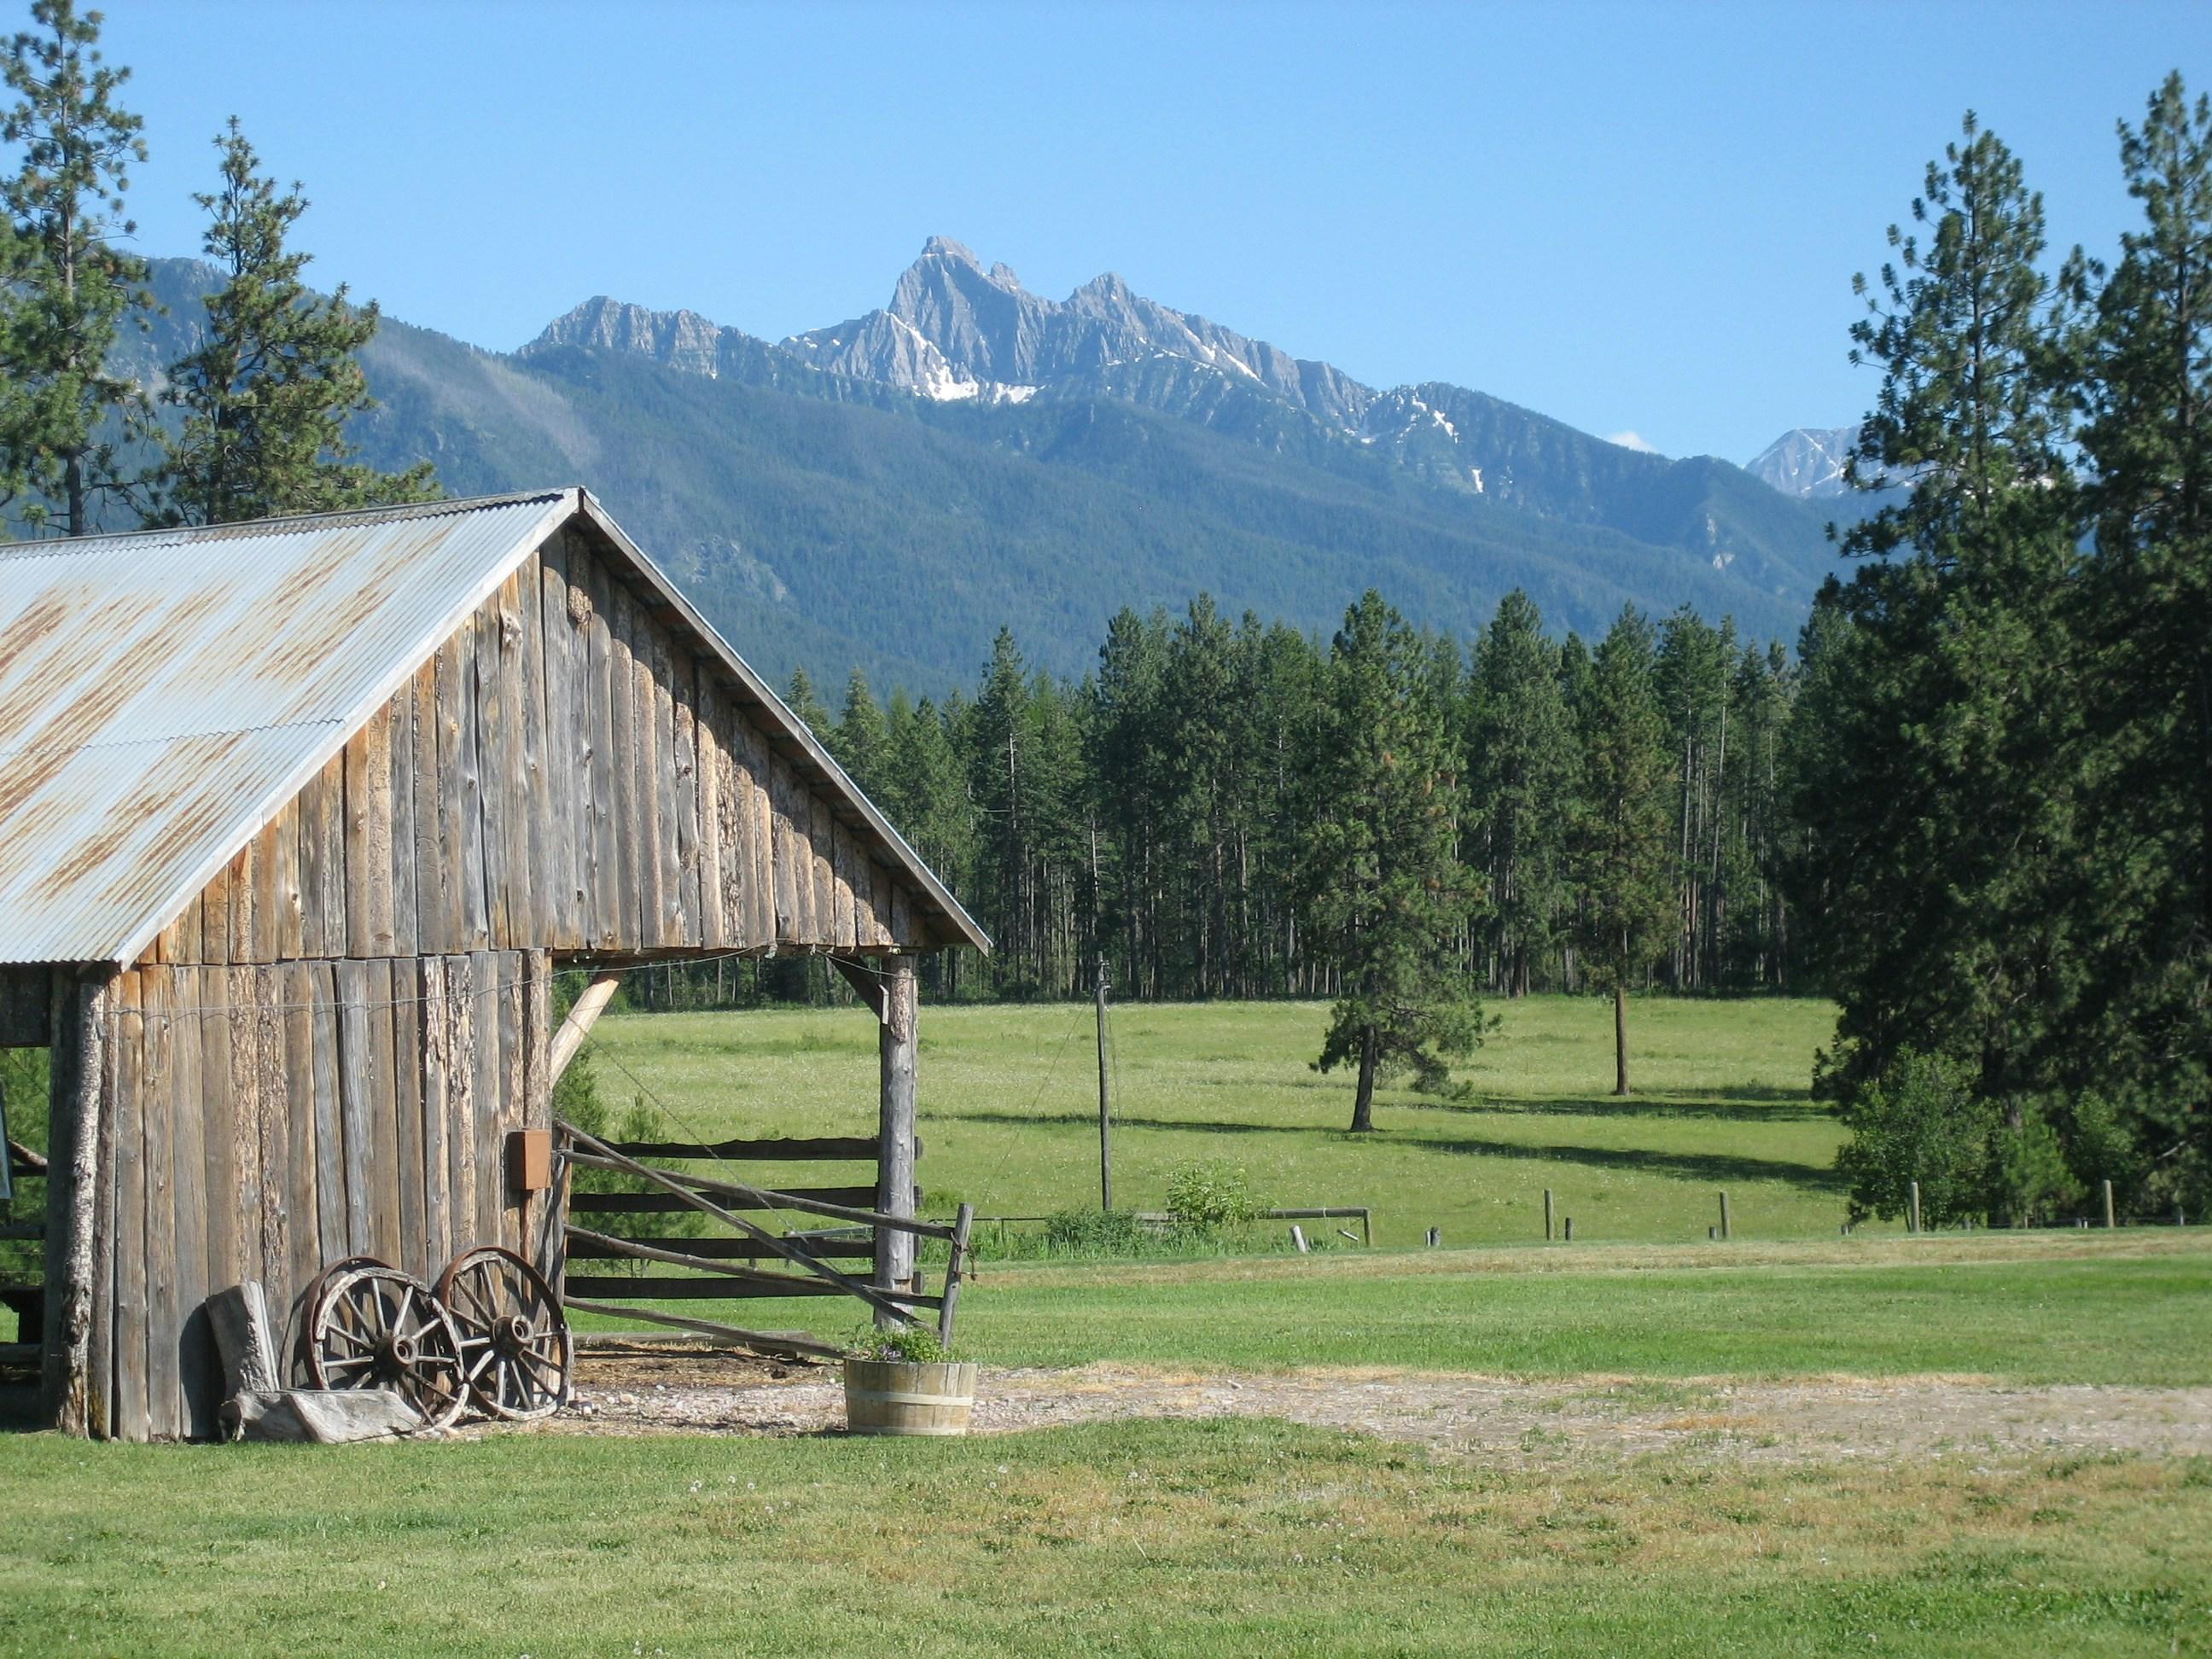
(96, 860)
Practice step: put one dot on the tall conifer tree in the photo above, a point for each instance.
(1523, 766)
(268, 392)
(1388, 890)
(68, 289)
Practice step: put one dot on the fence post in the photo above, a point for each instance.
(1547, 1215)
(1726, 1232)
(2108, 1204)
(1912, 1216)
(1571, 1229)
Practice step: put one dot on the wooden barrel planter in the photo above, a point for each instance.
(892, 1396)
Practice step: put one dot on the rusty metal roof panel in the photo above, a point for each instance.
(164, 693)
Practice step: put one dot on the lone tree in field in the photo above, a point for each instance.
(66, 288)
(1622, 826)
(267, 395)
(1388, 890)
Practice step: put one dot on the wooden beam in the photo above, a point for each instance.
(897, 1046)
(577, 1026)
(867, 984)
(79, 1111)
(766, 1341)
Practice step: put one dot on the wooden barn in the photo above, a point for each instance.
(297, 820)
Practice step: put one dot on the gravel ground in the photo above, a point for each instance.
(1493, 1419)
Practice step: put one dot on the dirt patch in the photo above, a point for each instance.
(1492, 1419)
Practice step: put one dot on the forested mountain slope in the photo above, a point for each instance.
(835, 505)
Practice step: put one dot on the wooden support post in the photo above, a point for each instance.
(1571, 1229)
(1547, 1215)
(574, 1030)
(78, 1172)
(962, 1220)
(2108, 1204)
(1912, 1215)
(894, 1123)
(1726, 1231)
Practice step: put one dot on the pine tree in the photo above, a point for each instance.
(1388, 891)
(267, 394)
(68, 289)
(799, 697)
(1523, 765)
(1944, 799)
(861, 740)
(1622, 839)
(2145, 1029)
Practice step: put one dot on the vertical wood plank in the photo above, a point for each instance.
(545, 1213)
(243, 1209)
(273, 1117)
(602, 912)
(374, 871)
(218, 1131)
(271, 896)
(904, 932)
(568, 748)
(513, 824)
(320, 813)
(484, 968)
(435, 1026)
(196, 1357)
(622, 667)
(513, 1090)
(327, 1110)
(434, 929)
(688, 923)
(535, 823)
(841, 863)
(407, 1115)
(714, 925)
(492, 736)
(100, 1392)
(244, 891)
(295, 1001)
(656, 807)
(357, 1117)
(398, 718)
(461, 1098)
(825, 873)
(158, 1115)
(382, 1148)
(460, 791)
(790, 920)
(128, 1413)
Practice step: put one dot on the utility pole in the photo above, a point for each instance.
(1105, 1104)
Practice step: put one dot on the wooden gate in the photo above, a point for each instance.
(745, 1260)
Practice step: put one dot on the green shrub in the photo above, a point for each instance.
(909, 1345)
(1093, 1232)
(1204, 1200)
(1919, 1121)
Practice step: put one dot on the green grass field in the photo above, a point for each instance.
(1248, 1537)
(1009, 1111)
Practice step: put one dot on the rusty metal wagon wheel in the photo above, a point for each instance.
(515, 1346)
(374, 1327)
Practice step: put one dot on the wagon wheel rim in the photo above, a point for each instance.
(374, 1327)
(516, 1351)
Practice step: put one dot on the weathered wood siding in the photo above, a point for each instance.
(270, 1119)
(566, 773)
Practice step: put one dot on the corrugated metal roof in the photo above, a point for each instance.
(164, 693)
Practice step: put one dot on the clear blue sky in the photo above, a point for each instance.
(1635, 218)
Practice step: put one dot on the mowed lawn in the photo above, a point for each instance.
(1009, 1111)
